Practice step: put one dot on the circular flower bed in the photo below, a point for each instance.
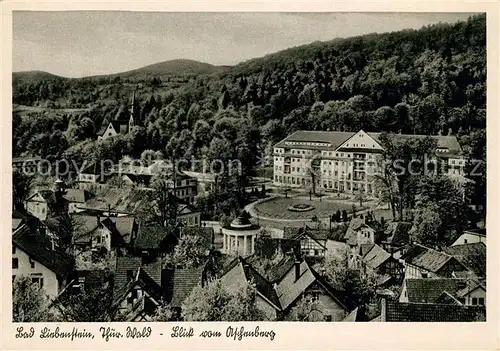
(301, 208)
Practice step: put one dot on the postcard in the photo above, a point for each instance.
(249, 175)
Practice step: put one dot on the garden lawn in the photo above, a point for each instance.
(278, 208)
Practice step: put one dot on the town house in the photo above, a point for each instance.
(35, 255)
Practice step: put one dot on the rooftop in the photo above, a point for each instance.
(472, 256)
(426, 258)
(375, 256)
(184, 281)
(331, 140)
(428, 312)
(39, 247)
(430, 289)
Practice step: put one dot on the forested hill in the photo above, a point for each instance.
(415, 81)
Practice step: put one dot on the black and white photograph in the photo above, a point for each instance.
(248, 167)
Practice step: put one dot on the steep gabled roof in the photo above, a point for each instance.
(241, 273)
(151, 237)
(447, 299)
(426, 258)
(289, 289)
(472, 256)
(331, 140)
(375, 257)
(184, 281)
(428, 290)
(121, 228)
(397, 233)
(471, 285)
(39, 247)
(299, 232)
(278, 271)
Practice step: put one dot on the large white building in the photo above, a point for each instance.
(344, 161)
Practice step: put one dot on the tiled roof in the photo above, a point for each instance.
(397, 233)
(283, 292)
(39, 247)
(86, 224)
(153, 269)
(472, 256)
(151, 237)
(375, 257)
(184, 281)
(146, 282)
(293, 233)
(426, 258)
(426, 312)
(122, 227)
(429, 289)
(471, 285)
(242, 273)
(123, 265)
(364, 249)
(279, 270)
(76, 195)
(289, 289)
(334, 139)
(447, 299)
(131, 201)
(263, 286)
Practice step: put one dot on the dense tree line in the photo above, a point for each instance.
(426, 81)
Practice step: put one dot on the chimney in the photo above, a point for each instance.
(383, 310)
(297, 270)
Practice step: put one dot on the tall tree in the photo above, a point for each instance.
(21, 185)
(216, 303)
(403, 159)
(29, 302)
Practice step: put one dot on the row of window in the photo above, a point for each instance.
(15, 262)
(478, 301)
(293, 151)
(341, 186)
(308, 143)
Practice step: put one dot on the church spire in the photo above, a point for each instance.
(132, 110)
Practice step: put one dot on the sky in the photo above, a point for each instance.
(84, 43)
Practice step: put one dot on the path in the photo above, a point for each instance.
(250, 209)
